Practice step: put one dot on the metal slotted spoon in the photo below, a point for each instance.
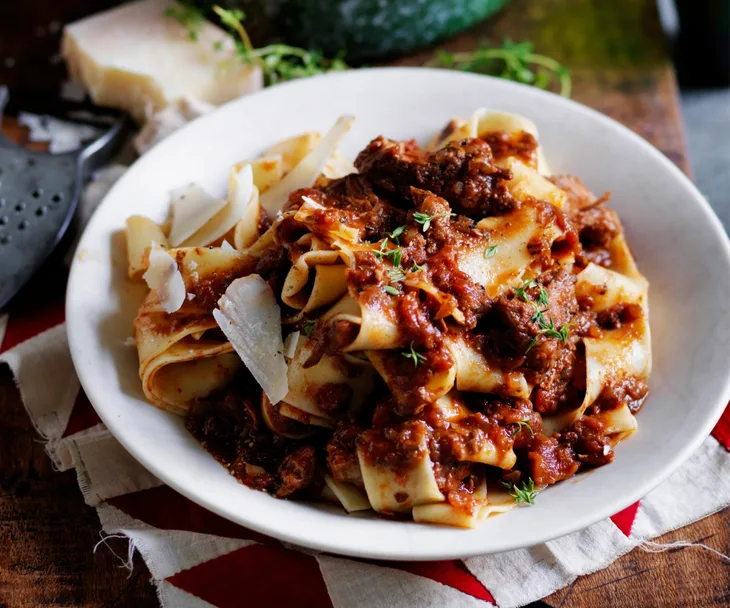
(39, 191)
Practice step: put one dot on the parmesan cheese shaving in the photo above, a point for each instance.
(192, 207)
(250, 318)
(290, 344)
(306, 172)
(164, 278)
(241, 194)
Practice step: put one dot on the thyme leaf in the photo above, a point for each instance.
(416, 357)
(309, 327)
(425, 219)
(523, 424)
(278, 62)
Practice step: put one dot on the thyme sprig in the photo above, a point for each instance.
(541, 304)
(278, 62)
(396, 275)
(309, 327)
(188, 16)
(416, 357)
(395, 255)
(515, 61)
(520, 425)
(396, 233)
(425, 219)
(523, 493)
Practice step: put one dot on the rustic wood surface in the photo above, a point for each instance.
(616, 53)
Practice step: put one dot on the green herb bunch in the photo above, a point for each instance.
(513, 61)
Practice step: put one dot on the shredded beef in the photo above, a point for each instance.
(509, 414)
(588, 442)
(297, 471)
(618, 315)
(461, 172)
(523, 145)
(342, 461)
(628, 391)
(555, 458)
(550, 461)
(597, 227)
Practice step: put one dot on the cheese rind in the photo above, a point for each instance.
(135, 58)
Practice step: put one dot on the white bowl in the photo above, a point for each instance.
(678, 242)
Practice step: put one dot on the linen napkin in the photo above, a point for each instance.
(198, 559)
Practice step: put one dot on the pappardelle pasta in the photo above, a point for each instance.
(432, 332)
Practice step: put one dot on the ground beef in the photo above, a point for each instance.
(297, 471)
(342, 461)
(461, 172)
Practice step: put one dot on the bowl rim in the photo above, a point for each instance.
(340, 546)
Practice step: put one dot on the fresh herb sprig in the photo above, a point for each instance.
(309, 327)
(396, 275)
(188, 16)
(416, 357)
(396, 234)
(513, 61)
(521, 424)
(425, 219)
(278, 62)
(524, 493)
(395, 255)
(541, 304)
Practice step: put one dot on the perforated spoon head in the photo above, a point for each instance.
(39, 191)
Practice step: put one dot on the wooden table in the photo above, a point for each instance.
(618, 59)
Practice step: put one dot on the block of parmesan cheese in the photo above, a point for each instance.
(135, 58)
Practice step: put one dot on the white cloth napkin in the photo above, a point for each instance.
(181, 560)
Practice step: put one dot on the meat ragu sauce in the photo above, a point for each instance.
(457, 186)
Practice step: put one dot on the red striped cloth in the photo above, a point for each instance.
(198, 558)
